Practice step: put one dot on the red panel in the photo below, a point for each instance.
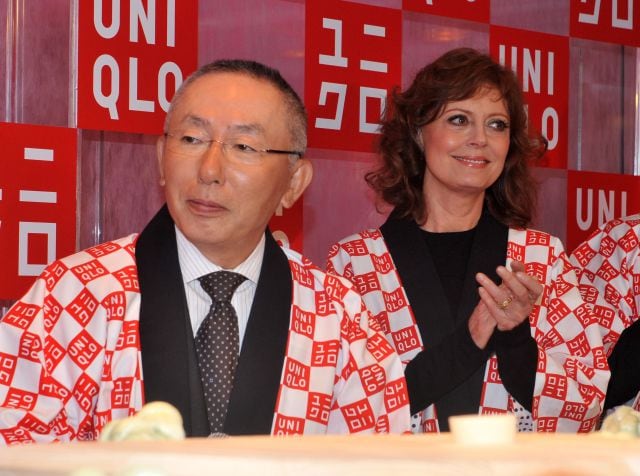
(127, 76)
(37, 202)
(352, 60)
(477, 10)
(594, 198)
(541, 62)
(613, 21)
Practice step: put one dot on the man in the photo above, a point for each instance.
(130, 321)
(609, 271)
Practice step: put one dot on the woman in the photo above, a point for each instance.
(455, 167)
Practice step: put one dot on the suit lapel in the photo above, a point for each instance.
(419, 278)
(169, 364)
(257, 381)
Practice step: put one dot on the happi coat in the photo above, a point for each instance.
(393, 271)
(107, 329)
(608, 263)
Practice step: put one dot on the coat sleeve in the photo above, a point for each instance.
(572, 374)
(370, 393)
(32, 407)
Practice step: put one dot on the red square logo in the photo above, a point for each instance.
(132, 56)
(37, 202)
(352, 61)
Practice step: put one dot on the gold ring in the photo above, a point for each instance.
(503, 305)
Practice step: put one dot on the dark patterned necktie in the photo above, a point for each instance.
(217, 345)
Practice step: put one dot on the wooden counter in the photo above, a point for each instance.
(529, 454)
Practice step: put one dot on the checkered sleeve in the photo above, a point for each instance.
(608, 265)
(371, 392)
(32, 405)
(340, 375)
(572, 374)
(69, 351)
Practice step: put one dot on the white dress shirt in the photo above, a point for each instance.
(193, 265)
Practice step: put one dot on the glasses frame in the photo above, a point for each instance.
(263, 151)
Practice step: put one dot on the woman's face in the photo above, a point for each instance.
(466, 146)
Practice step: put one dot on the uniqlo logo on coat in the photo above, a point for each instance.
(352, 61)
(356, 247)
(378, 346)
(325, 354)
(303, 322)
(515, 252)
(37, 202)
(121, 393)
(7, 368)
(318, 406)
(555, 386)
(285, 425)
(359, 416)
(394, 300)
(82, 307)
(629, 241)
(372, 378)
(383, 263)
(406, 339)
(367, 282)
(395, 395)
(83, 349)
(296, 374)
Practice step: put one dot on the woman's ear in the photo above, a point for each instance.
(299, 181)
(419, 140)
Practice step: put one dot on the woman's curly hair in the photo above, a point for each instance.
(457, 75)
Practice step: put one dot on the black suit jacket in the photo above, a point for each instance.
(169, 363)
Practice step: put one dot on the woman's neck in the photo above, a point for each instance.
(458, 213)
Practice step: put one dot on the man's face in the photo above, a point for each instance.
(220, 196)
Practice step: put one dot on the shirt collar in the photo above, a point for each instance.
(193, 264)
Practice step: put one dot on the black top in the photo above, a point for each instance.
(624, 362)
(438, 273)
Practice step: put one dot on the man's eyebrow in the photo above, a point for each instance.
(253, 128)
(195, 121)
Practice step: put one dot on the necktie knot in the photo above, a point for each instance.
(221, 285)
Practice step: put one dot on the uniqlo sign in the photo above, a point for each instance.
(132, 56)
(37, 202)
(286, 226)
(614, 21)
(352, 61)
(476, 10)
(541, 62)
(594, 198)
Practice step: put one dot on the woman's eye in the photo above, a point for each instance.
(457, 120)
(499, 125)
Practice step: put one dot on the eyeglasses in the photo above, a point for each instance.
(244, 152)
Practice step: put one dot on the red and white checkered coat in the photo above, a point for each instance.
(70, 356)
(608, 264)
(572, 373)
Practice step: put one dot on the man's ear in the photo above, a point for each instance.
(160, 156)
(299, 181)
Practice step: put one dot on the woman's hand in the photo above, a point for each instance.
(481, 325)
(511, 302)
